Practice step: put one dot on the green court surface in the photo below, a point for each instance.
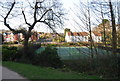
(67, 53)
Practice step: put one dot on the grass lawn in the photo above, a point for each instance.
(37, 72)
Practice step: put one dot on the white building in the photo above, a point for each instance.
(97, 37)
(82, 37)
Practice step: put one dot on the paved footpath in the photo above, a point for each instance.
(8, 74)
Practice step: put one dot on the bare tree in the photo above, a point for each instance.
(47, 12)
(83, 15)
(103, 23)
(110, 14)
(90, 31)
(101, 10)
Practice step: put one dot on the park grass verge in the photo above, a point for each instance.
(36, 72)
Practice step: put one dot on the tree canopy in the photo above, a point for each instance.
(24, 16)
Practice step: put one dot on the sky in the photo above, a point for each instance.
(69, 6)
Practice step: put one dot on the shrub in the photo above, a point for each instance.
(65, 44)
(9, 53)
(48, 58)
(106, 66)
(8, 43)
(16, 42)
(27, 55)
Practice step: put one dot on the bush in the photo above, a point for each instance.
(9, 53)
(106, 66)
(65, 44)
(16, 42)
(48, 58)
(27, 55)
(8, 43)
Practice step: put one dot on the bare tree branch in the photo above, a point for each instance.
(35, 12)
(44, 14)
(5, 19)
(25, 19)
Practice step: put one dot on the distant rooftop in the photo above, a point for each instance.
(82, 33)
(78, 34)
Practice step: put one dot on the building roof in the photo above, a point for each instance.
(78, 34)
(75, 33)
(70, 34)
(97, 34)
(83, 34)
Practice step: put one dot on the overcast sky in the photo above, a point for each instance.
(69, 6)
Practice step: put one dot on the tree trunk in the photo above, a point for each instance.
(114, 35)
(26, 40)
(90, 32)
(103, 24)
(91, 44)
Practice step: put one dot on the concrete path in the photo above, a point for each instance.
(8, 74)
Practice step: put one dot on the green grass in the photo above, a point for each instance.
(37, 72)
